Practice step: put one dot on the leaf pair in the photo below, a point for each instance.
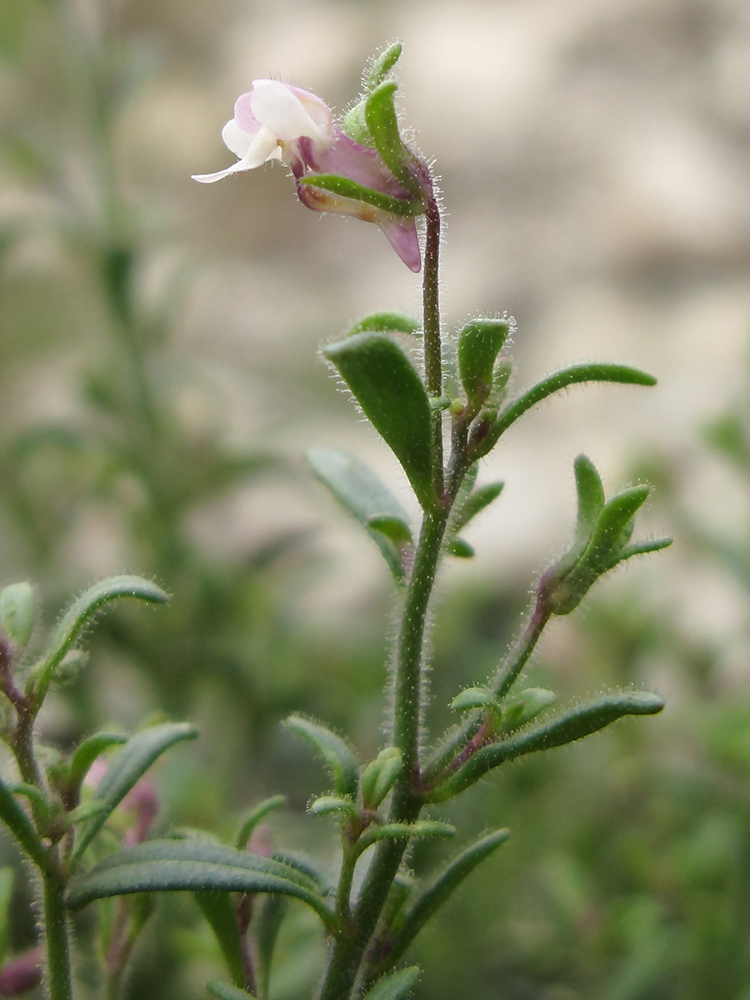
(602, 540)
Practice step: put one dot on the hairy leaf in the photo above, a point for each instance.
(390, 392)
(135, 758)
(338, 757)
(193, 866)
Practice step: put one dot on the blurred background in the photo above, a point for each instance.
(160, 381)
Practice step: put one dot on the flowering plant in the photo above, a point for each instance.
(440, 419)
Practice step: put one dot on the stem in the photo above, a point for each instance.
(451, 752)
(350, 948)
(433, 358)
(56, 932)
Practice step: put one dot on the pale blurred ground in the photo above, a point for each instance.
(594, 158)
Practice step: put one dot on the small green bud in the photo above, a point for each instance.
(531, 702)
(380, 776)
(18, 613)
(479, 344)
(476, 697)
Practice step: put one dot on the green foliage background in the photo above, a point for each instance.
(158, 377)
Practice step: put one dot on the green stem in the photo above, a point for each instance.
(433, 356)
(56, 932)
(506, 675)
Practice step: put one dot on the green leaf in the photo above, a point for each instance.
(460, 549)
(530, 703)
(479, 344)
(364, 496)
(94, 807)
(267, 928)
(392, 397)
(192, 866)
(257, 814)
(396, 986)
(347, 188)
(19, 824)
(393, 528)
(475, 503)
(81, 611)
(387, 322)
(327, 805)
(382, 122)
(591, 500)
(338, 757)
(422, 829)
(380, 776)
(220, 913)
(7, 878)
(476, 697)
(85, 755)
(442, 888)
(573, 725)
(135, 758)
(382, 65)
(18, 612)
(225, 991)
(574, 375)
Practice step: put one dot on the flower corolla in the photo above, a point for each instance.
(276, 121)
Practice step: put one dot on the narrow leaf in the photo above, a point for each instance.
(475, 697)
(338, 757)
(393, 528)
(225, 991)
(574, 375)
(386, 322)
(396, 986)
(135, 758)
(642, 548)
(590, 499)
(573, 725)
(84, 757)
(442, 888)
(19, 824)
(267, 928)
(219, 911)
(257, 814)
(422, 829)
(17, 612)
(7, 878)
(476, 502)
(363, 495)
(192, 866)
(380, 776)
(79, 613)
(387, 387)
(460, 549)
(382, 65)
(330, 804)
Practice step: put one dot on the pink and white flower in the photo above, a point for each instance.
(276, 121)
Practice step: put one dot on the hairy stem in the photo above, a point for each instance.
(56, 932)
(433, 354)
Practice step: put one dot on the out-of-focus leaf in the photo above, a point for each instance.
(85, 755)
(361, 493)
(135, 758)
(7, 878)
(396, 986)
(257, 814)
(267, 928)
(219, 911)
(19, 824)
(193, 866)
(442, 888)
(338, 757)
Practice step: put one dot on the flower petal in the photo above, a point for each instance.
(258, 150)
(402, 235)
(291, 113)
